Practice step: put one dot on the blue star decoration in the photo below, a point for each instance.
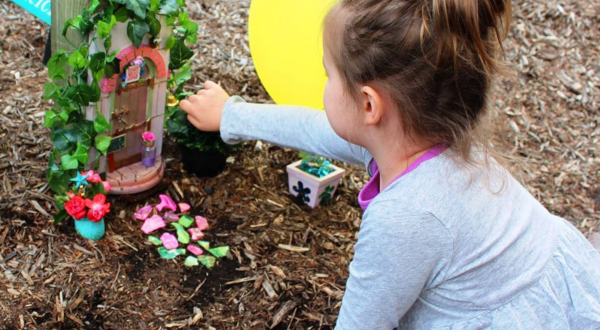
(80, 180)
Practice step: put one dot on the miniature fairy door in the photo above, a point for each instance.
(130, 118)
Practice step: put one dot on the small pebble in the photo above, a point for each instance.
(170, 254)
(208, 190)
(169, 241)
(186, 221)
(191, 262)
(196, 250)
(182, 236)
(153, 223)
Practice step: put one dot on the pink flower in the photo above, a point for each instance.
(106, 185)
(92, 176)
(137, 61)
(148, 136)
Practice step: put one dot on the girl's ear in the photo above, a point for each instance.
(371, 105)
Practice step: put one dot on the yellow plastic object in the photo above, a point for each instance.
(172, 101)
(286, 45)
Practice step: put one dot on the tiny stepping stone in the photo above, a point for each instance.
(186, 221)
(191, 262)
(170, 254)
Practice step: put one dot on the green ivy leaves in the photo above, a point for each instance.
(82, 94)
(136, 6)
(183, 74)
(100, 123)
(169, 8)
(122, 15)
(190, 28)
(53, 117)
(93, 6)
(177, 123)
(105, 28)
(51, 91)
(102, 142)
(186, 32)
(136, 30)
(63, 139)
(56, 65)
(77, 60)
(68, 162)
(154, 25)
(180, 53)
(82, 23)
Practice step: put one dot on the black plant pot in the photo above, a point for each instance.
(202, 163)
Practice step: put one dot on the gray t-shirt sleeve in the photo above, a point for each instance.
(396, 257)
(288, 126)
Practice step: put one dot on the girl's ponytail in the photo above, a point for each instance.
(462, 29)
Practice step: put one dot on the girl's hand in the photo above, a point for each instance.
(206, 107)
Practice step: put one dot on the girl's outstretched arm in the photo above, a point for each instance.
(212, 109)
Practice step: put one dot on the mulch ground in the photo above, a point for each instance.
(547, 118)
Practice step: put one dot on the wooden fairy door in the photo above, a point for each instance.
(129, 122)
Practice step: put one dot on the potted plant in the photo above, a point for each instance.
(203, 153)
(86, 203)
(313, 179)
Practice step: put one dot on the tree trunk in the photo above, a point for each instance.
(62, 10)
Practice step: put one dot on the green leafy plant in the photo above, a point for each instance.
(326, 195)
(76, 75)
(181, 129)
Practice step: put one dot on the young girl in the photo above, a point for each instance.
(449, 240)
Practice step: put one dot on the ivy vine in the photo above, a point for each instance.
(76, 75)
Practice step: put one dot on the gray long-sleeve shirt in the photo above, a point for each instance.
(445, 246)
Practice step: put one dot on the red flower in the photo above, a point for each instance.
(98, 207)
(76, 207)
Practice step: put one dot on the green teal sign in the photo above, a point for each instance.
(39, 8)
(117, 143)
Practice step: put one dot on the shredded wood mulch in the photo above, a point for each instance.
(288, 263)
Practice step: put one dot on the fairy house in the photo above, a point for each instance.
(133, 101)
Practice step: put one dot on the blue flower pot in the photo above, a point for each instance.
(90, 230)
